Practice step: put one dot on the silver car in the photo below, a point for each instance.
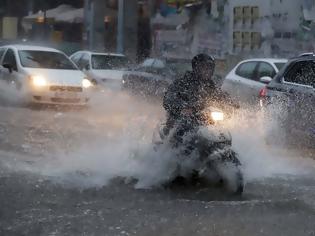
(105, 69)
(249, 77)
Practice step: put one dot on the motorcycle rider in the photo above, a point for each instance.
(189, 95)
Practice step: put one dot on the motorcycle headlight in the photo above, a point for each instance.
(217, 116)
(38, 81)
(86, 83)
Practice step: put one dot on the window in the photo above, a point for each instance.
(154, 66)
(302, 73)
(247, 12)
(2, 50)
(10, 59)
(158, 63)
(147, 62)
(84, 62)
(179, 67)
(45, 59)
(279, 65)
(265, 69)
(76, 58)
(247, 70)
(255, 12)
(105, 62)
(278, 35)
(287, 35)
(238, 13)
(154, 70)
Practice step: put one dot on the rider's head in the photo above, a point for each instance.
(203, 65)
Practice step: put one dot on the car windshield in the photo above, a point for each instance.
(109, 62)
(169, 68)
(279, 65)
(179, 67)
(45, 59)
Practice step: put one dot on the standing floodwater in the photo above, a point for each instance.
(61, 179)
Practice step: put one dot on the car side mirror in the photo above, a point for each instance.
(8, 66)
(265, 79)
(87, 67)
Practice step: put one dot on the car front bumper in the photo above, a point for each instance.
(60, 95)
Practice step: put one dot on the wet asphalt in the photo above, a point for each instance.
(36, 204)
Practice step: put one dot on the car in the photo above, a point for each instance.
(152, 78)
(290, 100)
(42, 75)
(247, 78)
(104, 69)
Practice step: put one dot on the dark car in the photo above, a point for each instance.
(289, 100)
(153, 76)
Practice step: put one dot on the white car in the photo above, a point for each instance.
(247, 79)
(42, 75)
(102, 68)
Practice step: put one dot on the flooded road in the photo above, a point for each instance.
(61, 174)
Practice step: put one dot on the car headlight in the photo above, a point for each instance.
(38, 81)
(86, 83)
(217, 116)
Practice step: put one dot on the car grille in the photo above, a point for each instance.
(66, 88)
(65, 100)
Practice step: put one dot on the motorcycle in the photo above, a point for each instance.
(204, 149)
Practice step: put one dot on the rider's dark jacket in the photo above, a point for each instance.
(191, 92)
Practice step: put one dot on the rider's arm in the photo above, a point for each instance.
(178, 98)
(229, 101)
(172, 100)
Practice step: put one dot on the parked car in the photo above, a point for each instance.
(290, 99)
(104, 69)
(248, 77)
(153, 76)
(42, 75)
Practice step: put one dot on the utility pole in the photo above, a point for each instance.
(121, 25)
(91, 26)
(45, 22)
(89, 32)
(30, 7)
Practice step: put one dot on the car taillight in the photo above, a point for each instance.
(262, 96)
(263, 92)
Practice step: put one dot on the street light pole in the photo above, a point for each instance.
(45, 21)
(30, 7)
(91, 24)
(120, 31)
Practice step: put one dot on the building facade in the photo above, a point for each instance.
(266, 28)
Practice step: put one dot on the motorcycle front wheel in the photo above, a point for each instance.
(228, 168)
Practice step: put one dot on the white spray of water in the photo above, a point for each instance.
(118, 143)
(9, 94)
(128, 151)
(249, 130)
(128, 156)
